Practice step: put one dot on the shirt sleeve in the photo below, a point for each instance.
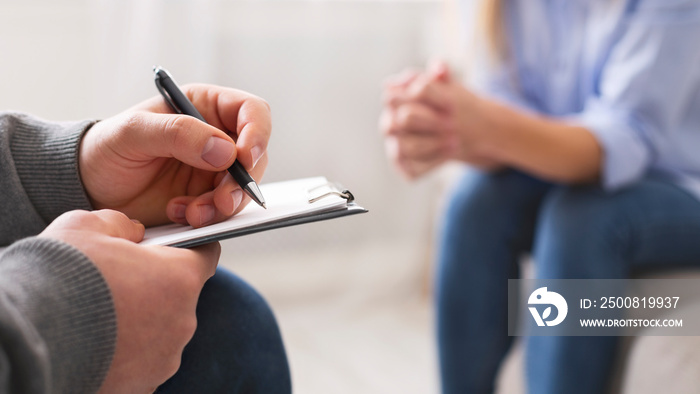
(651, 74)
(39, 177)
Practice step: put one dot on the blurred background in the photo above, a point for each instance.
(353, 295)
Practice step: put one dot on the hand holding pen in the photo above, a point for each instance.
(157, 166)
(182, 105)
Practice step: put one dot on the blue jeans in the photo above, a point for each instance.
(573, 233)
(237, 347)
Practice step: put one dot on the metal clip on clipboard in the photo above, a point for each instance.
(329, 189)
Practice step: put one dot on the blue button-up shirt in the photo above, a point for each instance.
(628, 71)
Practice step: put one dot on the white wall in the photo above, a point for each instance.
(319, 63)
(349, 294)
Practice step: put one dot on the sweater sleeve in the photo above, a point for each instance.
(39, 177)
(57, 320)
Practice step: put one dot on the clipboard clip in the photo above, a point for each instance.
(329, 189)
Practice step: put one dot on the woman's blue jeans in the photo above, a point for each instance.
(573, 233)
(237, 347)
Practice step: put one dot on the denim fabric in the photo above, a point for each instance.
(573, 233)
(237, 347)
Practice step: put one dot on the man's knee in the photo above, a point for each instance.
(237, 346)
(234, 303)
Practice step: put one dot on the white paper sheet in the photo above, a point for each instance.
(284, 200)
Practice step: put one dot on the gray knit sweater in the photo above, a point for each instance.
(57, 319)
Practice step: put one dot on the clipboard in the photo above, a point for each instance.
(289, 203)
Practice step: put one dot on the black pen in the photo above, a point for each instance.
(182, 105)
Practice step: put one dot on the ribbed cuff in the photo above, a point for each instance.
(64, 297)
(46, 159)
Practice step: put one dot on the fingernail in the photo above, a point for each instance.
(217, 151)
(237, 196)
(206, 214)
(257, 153)
(179, 211)
(136, 221)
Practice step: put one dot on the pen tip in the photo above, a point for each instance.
(264, 205)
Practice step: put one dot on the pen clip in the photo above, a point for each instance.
(165, 94)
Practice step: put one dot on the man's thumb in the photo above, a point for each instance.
(117, 224)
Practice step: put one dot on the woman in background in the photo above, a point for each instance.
(586, 125)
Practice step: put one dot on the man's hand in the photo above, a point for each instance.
(428, 119)
(155, 291)
(155, 166)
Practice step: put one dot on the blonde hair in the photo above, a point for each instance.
(492, 26)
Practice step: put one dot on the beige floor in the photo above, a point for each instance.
(354, 320)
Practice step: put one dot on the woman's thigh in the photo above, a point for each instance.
(496, 211)
(586, 232)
